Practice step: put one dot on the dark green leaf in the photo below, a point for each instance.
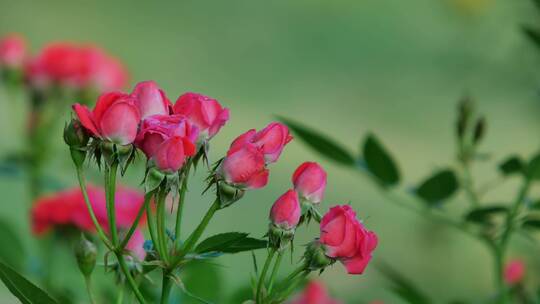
(483, 214)
(438, 187)
(320, 143)
(403, 287)
(533, 168)
(219, 242)
(12, 254)
(535, 205)
(531, 223)
(532, 34)
(246, 244)
(512, 165)
(379, 162)
(23, 289)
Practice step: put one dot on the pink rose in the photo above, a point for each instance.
(286, 211)
(12, 51)
(309, 181)
(204, 112)
(171, 155)
(315, 293)
(245, 168)
(272, 139)
(514, 271)
(150, 99)
(115, 118)
(346, 239)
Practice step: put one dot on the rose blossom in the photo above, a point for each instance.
(204, 112)
(315, 293)
(286, 211)
(309, 181)
(115, 118)
(245, 168)
(12, 51)
(346, 239)
(168, 140)
(514, 271)
(150, 99)
(272, 139)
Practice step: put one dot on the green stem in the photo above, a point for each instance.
(120, 297)
(129, 277)
(180, 207)
(274, 271)
(110, 189)
(468, 185)
(260, 284)
(152, 228)
(88, 283)
(99, 229)
(161, 233)
(293, 284)
(293, 274)
(166, 287)
(147, 198)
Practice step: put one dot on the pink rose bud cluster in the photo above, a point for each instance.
(13, 52)
(514, 272)
(315, 293)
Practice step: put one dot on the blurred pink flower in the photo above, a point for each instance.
(514, 271)
(315, 293)
(13, 51)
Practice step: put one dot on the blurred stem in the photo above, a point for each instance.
(260, 284)
(180, 207)
(120, 296)
(274, 271)
(147, 198)
(129, 277)
(166, 287)
(468, 184)
(110, 189)
(88, 283)
(99, 229)
(293, 283)
(152, 228)
(161, 227)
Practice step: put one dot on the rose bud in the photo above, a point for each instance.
(315, 293)
(12, 51)
(309, 181)
(245, 168)
(346, 239)
(150, 99)
(514, 271)
(76, 138)
(272, 139)
(284, 217)
(170, 155)
(115, 118)
(85, 252)
(204, 112)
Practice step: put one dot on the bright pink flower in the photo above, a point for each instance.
(115, 118)
(315, 293)
(204, 112)
(310, 181)
(172, 153)
(272, 139)
(67, 208)
(346, 239)
(514, 271)
(12, 51)
(76, 66)
(150, 99)
(286, 211)
(245, 168)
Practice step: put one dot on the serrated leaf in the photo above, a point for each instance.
(219, 242)
(438, 187)
(379, 162)
(511, 165)
(324, 145)
(483, 214)
(12, 254)
(23, 289)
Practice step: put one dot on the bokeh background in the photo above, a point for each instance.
(393, 67)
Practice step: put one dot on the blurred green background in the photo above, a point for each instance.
(393, 67)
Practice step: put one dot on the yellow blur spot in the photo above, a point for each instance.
(471, 6)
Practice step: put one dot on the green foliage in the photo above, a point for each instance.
(482, 215)
(379, 162)
(403, 287)
(320, 143)
(23, 289)
(438, 187)
(230, 242)
(512, 165)
(533, 168)
(532, 34)
(531, 223)
(12, 252)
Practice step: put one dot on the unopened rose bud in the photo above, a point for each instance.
(245, 168)
(75, 135)
(479, 130)
(309, 181)
(85, 252)
(284, 216)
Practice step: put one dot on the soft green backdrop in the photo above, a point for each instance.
(346, 67)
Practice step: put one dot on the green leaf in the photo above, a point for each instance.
(219, 242)
(403, 287)
(246, 244)
(379, 162)
(532, 34)
(23, 289)
(12, 254)
(438, 187)
(533, 168)
(483, 214)
(531, 223)
(320, 143)
(511, 165)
